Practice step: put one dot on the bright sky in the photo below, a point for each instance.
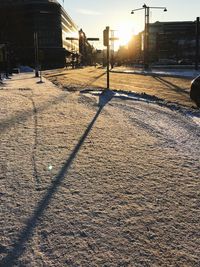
(93, 16)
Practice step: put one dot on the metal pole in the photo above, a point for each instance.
(112, 49)
(36, 54)
(108, 60)
(41, 76)
(145, 34)
(146, 39)
(197, 45)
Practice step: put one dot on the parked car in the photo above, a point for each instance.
(195, 91)
(185, 62)
(166, 61)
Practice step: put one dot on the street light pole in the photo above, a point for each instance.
(146, 38)
(146, 31)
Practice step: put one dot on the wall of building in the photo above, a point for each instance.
(20, 20)
(173, 40)
(69, 29)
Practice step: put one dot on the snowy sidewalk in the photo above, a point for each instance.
(93, 179)
(180, 73)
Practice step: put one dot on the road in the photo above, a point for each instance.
(168, 88)
(97, 180)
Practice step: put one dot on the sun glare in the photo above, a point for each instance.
(124, 32)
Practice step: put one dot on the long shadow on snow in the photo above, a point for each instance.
(94, 79)
(26, 233)
(171, 85)
(143, 97)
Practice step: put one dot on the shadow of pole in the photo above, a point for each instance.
(96, 78)
(89, 83)
(170, 85)
(26, 233)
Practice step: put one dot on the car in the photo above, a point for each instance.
(195, 91)
(185, 62)
(166, 61)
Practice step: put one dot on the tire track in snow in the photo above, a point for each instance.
(170, 127)
(35, 144)
(35, 132)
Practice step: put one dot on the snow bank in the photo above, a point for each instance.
(106, 95)
(167, 72)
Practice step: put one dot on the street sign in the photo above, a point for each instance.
(106, 37)
(72, 38)
(76, 38)
(93, 39)
(113, 38)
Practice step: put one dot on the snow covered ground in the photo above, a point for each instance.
(96, 178)
(171, 89)
(189, 73)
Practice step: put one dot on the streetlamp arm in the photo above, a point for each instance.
(146, 31)
(132, 12)
(160, 7)
(144, 7)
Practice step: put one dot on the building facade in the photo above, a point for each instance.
(175, 41)
(87, 51)
(172, 40)
(35, 32)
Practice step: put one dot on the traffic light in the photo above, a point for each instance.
(106, 37)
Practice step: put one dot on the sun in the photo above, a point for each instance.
(124, 36)
(124, 32)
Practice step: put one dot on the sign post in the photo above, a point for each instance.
(36, 47)
(106, 43)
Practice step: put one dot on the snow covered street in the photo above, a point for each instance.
(96, 178)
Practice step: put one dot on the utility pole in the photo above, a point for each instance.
(197, 45)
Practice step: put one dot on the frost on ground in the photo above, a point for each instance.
(96, 179)
(171, 72)
(173, 89)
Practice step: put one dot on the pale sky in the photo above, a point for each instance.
(93, 16)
